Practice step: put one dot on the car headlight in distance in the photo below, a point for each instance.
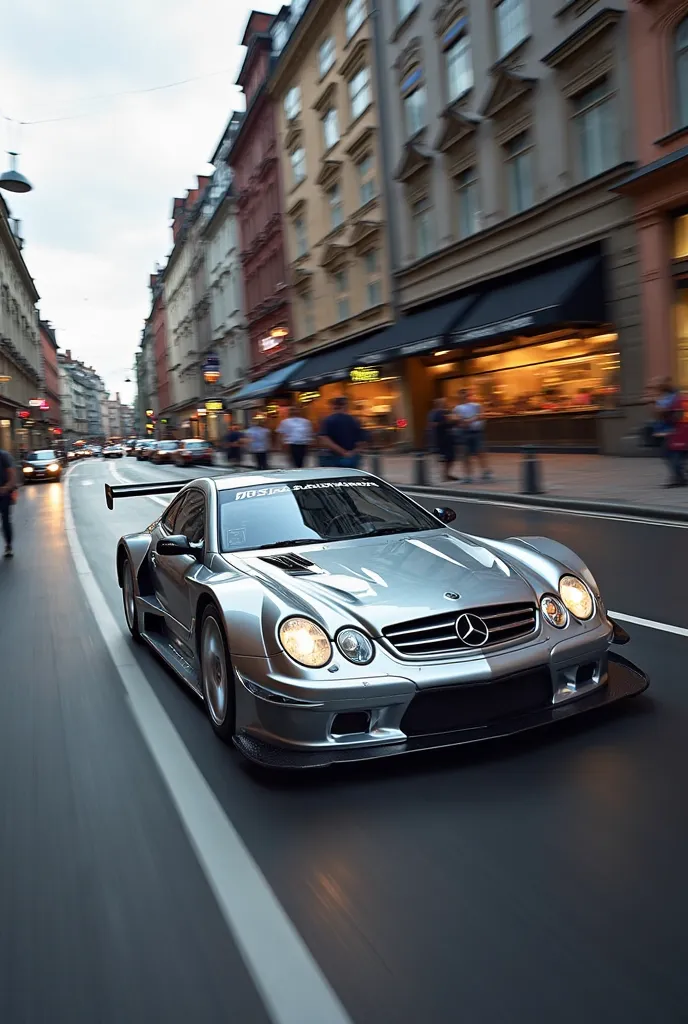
(553, 610)
(28, 469)
(576, 596)
(305, 642)
(355, 647)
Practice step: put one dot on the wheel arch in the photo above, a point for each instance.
(207, 600)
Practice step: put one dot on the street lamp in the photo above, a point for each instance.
(13, 180)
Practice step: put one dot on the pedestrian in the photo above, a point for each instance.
(296, 433)
(469, 415)
(8, 491)
(342, 437)
(257, 439)
(233, 442)
(672, 431)
(441, 424)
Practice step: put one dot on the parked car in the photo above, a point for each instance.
(194, 452)
(144, 450)
(164, 452)
(41, 465)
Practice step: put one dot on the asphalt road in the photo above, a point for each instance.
(536, 880)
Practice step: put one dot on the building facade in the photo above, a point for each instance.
(20, 346)
(324, 85)
(254, 161)
(507, 127)
(658, 187)
(81, 394)
(52, 416)
(158, 330)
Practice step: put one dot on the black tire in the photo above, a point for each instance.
(220, 711)
(131, 614)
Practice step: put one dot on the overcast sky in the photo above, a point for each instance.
(98, 218)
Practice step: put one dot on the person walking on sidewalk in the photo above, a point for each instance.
(673, 431)
(342, 437)
(233, 439)
(470, 417)
(8, 487)
(296, 433)
(258, 439)
(442, 427)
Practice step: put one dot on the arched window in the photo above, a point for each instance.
(681, 63)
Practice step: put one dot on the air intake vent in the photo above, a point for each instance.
(295, 565)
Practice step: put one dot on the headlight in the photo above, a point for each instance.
(554, 611)
(355, 646)
(53, 467)
(305, 642)
(576, 596)
(28, 469)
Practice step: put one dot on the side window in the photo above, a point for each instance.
(169, 517)
(191, 520)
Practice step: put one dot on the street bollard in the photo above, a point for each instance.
(531, 472)
(375, 463)
(420, 478)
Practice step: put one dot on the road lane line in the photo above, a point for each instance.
(123, 480)
(291, 984)
(664, 627)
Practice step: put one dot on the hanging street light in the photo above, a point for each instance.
(211, 369)
(13, 180)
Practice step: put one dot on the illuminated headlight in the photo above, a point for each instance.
(305, 642)
(553, 610)
(70, 455)
(576, 596)
(28, 469)
(355, 646)
(53, 467)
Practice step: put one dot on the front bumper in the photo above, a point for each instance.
(623, 680)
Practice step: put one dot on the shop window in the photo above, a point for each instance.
(341, 284)
(681, 64)
(292, 103)
(414, 99)
(519, 167)
(326, 55)
(595, 125)
(512, 25)
(298, 165)
(300, 237)
(359, 92)
(330, 128)
(468, 202)
(355, 16)
(371, 266)
(681, 238)
(366, 179)
(336, 205)
(421, 214)
(456, 43)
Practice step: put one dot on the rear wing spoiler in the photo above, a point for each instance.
(141, 490)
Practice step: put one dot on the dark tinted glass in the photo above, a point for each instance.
(191, 519)
(169, 517)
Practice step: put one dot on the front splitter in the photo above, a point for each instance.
(625, 680)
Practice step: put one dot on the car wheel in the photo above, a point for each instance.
(217, 676)
(128, 597)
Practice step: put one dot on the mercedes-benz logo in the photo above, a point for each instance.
(471, 630)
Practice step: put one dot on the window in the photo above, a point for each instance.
(595, 125)
(307, 313)
(413, 93)
(191, 519)
(404, 8)
(298, 165)
(512, 25)
(341, 283)
(300, 237)
(468, 203)
(371, 264)
(331, 129)
(457, 48)
(334, 199)
(355, 16)
(681, 59)
(422, 227)
(292, 103)
(359, 92)
(280, 35)
(519, 154)
(169, 517)
(326, 55)
(366, 179)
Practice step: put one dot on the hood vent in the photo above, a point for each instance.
(295, 565)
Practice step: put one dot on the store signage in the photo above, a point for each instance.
(309, 396)
(150, 414)
(23, 414)
(201, 412)
(273, 340)
(44, 405)
(36, 403)
(402, 424)
(362, 374)
(214, 406)
(419, 346)
(500, 327)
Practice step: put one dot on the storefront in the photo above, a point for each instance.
(268, 396)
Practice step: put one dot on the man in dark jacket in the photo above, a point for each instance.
(341, 436)
(8, 485)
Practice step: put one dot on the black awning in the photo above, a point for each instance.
(266, 386)
(566, 295)
(412, 334)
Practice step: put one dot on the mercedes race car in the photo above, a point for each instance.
(324, 616)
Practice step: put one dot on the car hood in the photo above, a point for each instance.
(381, 581)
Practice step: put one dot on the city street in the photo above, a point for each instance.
(147, 870)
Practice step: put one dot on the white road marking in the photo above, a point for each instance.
(293, 987)
(664, 627)
(527, 507)
(123, 480)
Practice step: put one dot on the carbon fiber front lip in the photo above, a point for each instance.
(625, 680)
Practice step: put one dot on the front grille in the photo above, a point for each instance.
(463, 706)
(436, 636)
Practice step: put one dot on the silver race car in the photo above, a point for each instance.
(324, 616)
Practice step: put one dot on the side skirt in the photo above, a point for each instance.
(180, 665)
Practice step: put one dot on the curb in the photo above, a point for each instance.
(559, 504)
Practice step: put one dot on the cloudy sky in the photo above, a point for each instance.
(98, 218)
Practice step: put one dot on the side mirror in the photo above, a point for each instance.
(446, 515)
(172, 546)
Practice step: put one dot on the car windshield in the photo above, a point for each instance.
(42, 456)
(306, 513)
(167, 446)
(195, 444)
